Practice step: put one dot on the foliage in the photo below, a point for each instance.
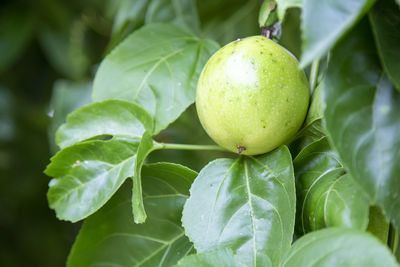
(335, 186)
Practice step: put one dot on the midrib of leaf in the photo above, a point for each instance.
(155, 66)
(170, 242)
(158, 44)
(327, 253)
(134, 236)
(95, 179)
(273, 176)
(327, 197)
(165, 183)
(309, 190)
(251, 213)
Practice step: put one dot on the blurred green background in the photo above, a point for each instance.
(49, 52)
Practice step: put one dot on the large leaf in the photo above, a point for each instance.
(89, 173)
(326, 195)
(362, 118)
(220, 258)
(339, 247)
(109, 237)
(156, 67)
(246, 204)
(110, 117)
(385, 21)
(132, 14)
(325, 22)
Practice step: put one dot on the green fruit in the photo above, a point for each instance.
(251, 96)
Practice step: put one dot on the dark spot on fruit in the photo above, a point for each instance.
(240, 149)
(287, 99)
(270, 54)
(261, 53)
(273, 60)
(264, 126)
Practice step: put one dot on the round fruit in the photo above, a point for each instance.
(252, 96)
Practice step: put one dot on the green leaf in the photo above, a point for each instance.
(156, 67)
(66, 97)
(246, 204)
(385, 21)
(145, 147)
(220, 258)
(285, 4)
(110, 117)
(325, 22)
(89, 173)
(267, 15)
(326, 195)
(362, 118)
(110, 237)
(16, 30)
(339, 247)
(132, 14)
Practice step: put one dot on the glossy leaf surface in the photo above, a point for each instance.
(325, 22)
(89, 173)
(156, 67)
(326, 195)
(220, 258)
(385, 22)
(246, 204)
(111, 238)
(362, 118)
(339, 247)
(110, 117)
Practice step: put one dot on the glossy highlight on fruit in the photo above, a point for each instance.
(251, 96)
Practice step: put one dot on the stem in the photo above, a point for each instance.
(267, 31)
(314, 74)
(191, 147)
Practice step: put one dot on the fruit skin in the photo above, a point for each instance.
(251, 96)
